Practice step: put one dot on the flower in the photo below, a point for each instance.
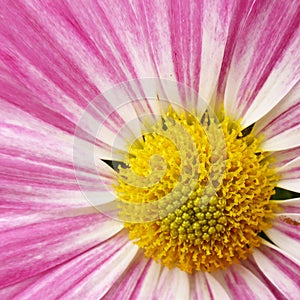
(62, 66)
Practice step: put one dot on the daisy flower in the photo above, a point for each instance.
(150, 149)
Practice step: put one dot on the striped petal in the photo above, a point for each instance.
(290, 175)
(205, 287)
(283, 157)
(31, 249)
(177, 282)
(290, 206)
(285, 233)
(252, 266)
(281, 127)
(80, 277)
(139, 279)
(243, 284)
(265, 64)
(280, 270)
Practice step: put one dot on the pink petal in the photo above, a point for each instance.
(290, 175)
(237, 23)
(87, 276)
(243, 284)
(251, 265)
(31, 171)
(62, 84)
(12, 291)
(265, 64)
(34, 248)
(216, 20)
(285, 233)
(207, 287)
(23, 196)
(280, 127)
(138, 280)
(283, 157)
(177, 283)
(290, 206)
(280, 270)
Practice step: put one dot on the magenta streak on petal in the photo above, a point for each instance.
(145, 9)
(25, 170)
(12, 291)
(60, 72)
(290, 206)
(253, 267)
(37, 44)
(35, 248)
(84, 276)
(239, 15)
(185, 26)
(288, 229)
(142, 277)
(267, 39)
(209, 289)
(17, 141)
(238, 286)
(285, 265)
(291, 170)
(13, 92)
(130, 281)
(284, 157)
(286, 120)
(107, 38)
(279, 270)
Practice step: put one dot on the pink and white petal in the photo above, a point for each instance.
(31, 249)
(251, 265)
(86, 276)
(148, 282)
(124, 287)
(204, 286)
(63, 77)
(17, 140)
(12, 291)
(27, 184)
(282, 272)
(177, 283)
(290, 175)
(280, 127)
(237, 23)
(34, 168)
(265, 64)
(138, 280)
(285, 233)
(283, 157)
(37, 198)
(185, 27)
(216, 20)
(152, 17)
(243, 284)
(289, 206)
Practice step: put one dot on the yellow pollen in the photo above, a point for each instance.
(209, 224)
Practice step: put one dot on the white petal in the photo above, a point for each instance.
(172, 284)
(281, 271)
(280, 127)
(243, 284)
(290, 175)
(285, 233)
(265, 64)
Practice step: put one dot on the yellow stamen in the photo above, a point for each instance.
(218, 222)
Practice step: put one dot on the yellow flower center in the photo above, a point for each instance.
(214, 216)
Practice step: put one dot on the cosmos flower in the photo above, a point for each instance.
(219, 105)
